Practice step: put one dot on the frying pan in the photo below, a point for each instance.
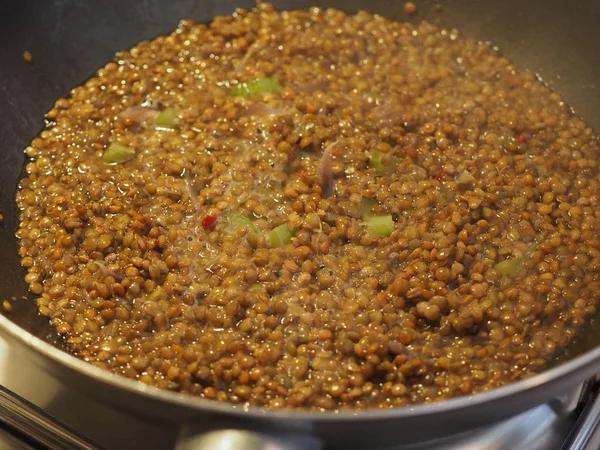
(70, 39)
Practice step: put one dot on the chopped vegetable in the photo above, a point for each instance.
(309, 88)
(166, 119)
(209, 220)
(264, 110)
(325, 172)
(236, 221)
(255, 87)
(117, 153)
(110, 273)
(440, 174)
(465, 179)
(281, 235)
(382, 163)
(512, 266)
(366, 205)
(509, 267)
(521, 138)
(381, 226)
(138, 113)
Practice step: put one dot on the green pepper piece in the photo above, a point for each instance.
(382, 163)
(381, 226)
(509, 267)
(281, 235)
(236, 221)
(366, 205)
(166, 119)
(512, 266)
(257, 86)
(117, 154)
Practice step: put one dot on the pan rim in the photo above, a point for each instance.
(201, 405)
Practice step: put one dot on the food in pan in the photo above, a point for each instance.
(314, 210)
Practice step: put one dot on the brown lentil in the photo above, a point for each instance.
(7, 306)
(410, 8)
(489, 162)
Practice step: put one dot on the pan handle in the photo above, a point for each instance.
(239, 439)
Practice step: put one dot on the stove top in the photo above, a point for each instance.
(39, 412)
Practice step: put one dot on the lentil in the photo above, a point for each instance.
(7, 306)
(410, 8)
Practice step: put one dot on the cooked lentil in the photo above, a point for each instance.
(410, 8)
(7, 306)
(488, 158)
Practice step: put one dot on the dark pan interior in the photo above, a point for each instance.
(70, 39)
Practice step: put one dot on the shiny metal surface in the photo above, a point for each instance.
(10, 442)
(545, 427)
(46, 431)
(586, 433)
(244, 440)
(107, 427)
(538, 429)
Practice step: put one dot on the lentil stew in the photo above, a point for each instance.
(313, 209)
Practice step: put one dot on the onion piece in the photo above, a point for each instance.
(263, 110)
(110, 273)
(309, 88)
(325, 172)
(138, 113)
(465, 179)
(390, 119)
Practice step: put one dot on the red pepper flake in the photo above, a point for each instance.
(521, 138)
(440, 174)
(209, 221)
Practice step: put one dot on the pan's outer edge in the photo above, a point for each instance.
(556, 380)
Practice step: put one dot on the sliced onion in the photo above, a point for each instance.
(465, 179)
(138, 113)
(308, 88)
(325, 172)
(263, 110)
